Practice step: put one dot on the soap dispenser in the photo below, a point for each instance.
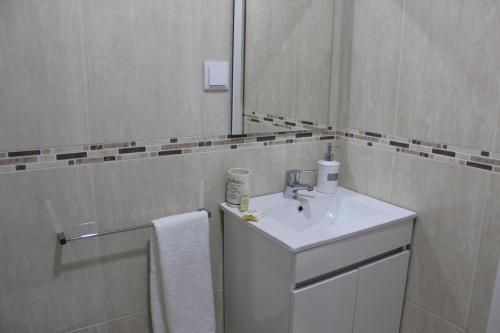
(328, 173)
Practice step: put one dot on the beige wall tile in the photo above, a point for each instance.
(441, 275)
(449, 201)
(450, 79)
(487, 263)
(269, 59)
(145, 70)
(497, 144)
(253, 4)
(42, 86)
(305, 156)
(131, 193)
(253, 127)
(313, 63)
(417, 320)
(370, 33)
(43, 287)
(366, 170)
(219, 311)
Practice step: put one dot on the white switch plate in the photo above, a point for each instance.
(216, 76)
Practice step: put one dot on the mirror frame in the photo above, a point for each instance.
(238, 67)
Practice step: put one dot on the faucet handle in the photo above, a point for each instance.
(293, 176)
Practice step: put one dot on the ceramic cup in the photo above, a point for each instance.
(238, 184)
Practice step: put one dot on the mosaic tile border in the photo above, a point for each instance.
(463, 156)
(282, 122)
(45, 158)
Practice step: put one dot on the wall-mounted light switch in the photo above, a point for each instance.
(216, 76)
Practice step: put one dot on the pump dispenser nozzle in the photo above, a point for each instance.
(329, 154)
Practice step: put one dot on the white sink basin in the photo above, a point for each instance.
(315, 219)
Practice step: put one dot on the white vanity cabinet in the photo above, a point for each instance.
(326, 306)
(366, 299)
(342, 270)
(352, 285)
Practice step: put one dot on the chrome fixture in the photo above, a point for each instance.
(292, 183)
(62, 238)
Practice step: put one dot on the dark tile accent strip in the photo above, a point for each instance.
(424, 155)
(268, 119)
(303, 135)
(20, 167)
(174, 140)
(480, 166)
(236, 136)
(96, 147)
(289, 141)
(485, 160)
(485, 154)
(255, 120)
(109, 158)
(170, 152)
(399, 144)
(71, 156)
(443, 152)
(132, 150)
(416, 142)
(289, 123)
(204, 143)
(266, 138)
(307, 122)
(24, 153)
(327, 137)
(375, 135)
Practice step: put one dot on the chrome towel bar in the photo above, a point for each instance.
(62, 238)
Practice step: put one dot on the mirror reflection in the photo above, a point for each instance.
(288, 65)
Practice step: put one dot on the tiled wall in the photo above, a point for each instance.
(103, 282)
(288, 58)
(428, 71)
(84, 71)
(422, 69)
(104, 124)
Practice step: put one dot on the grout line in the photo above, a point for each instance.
(480, 240)
(106, 321)
(401, 54)
(434, 315)
(295, 48)
(391, 184)
(496, 134)
(83, 45)
(288, 3)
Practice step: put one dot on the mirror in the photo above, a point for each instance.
(283, 65)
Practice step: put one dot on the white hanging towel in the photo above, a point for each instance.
(180, 275)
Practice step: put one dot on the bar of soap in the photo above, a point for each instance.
(252, 215)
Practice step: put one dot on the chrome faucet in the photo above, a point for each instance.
(292, 183)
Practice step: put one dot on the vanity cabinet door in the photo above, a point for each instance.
(325, 307)
(381, 288)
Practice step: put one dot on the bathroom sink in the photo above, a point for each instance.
(314, 219)
(316, 262)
